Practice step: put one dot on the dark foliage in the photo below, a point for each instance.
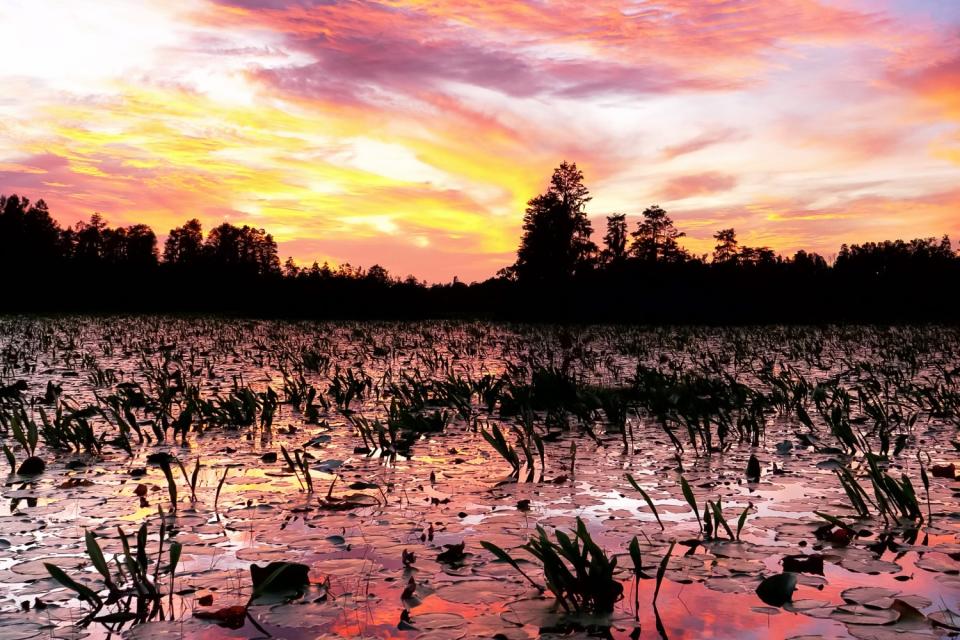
(559, 275)
(556, 245)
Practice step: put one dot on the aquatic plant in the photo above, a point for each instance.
(691, 500)
(465, 404)
(662, 571)
(499, 443)
(647, 499)
(135, 593)
(348, 385)
(70, 428)
(576, 570)
(615, 408)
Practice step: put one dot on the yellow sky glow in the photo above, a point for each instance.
(411, 133)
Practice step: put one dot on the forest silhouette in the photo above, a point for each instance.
(560, 273)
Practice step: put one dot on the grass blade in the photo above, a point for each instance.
(661, 570)
(691, 500)
(96, 556)
(505, 557)
(84, 592)
(742, 520)
(649, 502)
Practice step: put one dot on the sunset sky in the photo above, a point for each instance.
(410, 133)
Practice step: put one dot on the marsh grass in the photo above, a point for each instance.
(862, 399)
(132, 589)
(647, 499)
(577, 571)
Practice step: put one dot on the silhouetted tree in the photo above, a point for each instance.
(140, 247)
(347, 271)
(726, 248)
(377, 273)
(184, 245)
(809, 262)
(28, 235)
(87, 241)
(96, 267)
(656, 238)
(96, 245)
(756, 256)
(556, 241)
(615, 240)
(290, 268)
(267, 255)
(242, 250)
(896, 257)
(224, 248)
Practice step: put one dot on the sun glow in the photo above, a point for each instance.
(412, 133)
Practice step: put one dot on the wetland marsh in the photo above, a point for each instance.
(475, 480)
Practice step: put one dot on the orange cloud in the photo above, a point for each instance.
(412, 132)
(937, 83)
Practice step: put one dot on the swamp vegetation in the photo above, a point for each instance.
(200, 477)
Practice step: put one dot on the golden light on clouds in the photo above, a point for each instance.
(411, 133)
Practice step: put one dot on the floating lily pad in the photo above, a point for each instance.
(777, 590)
(864, 615)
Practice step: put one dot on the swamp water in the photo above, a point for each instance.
(370, 452)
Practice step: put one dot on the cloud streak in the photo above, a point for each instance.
(411, 132)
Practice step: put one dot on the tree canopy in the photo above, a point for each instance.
(556, 241)
(559, 272)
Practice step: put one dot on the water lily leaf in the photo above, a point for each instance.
(753, 469)
(118, 616)
(863, 595)
(860, 614)
(452, 553)
(22, 630)
(938, 562)
(229, 617)
(435, 621)
(360, 486)
(778, 590)
(323, 438)
(279, 577)
(812, 563)
(328, 465)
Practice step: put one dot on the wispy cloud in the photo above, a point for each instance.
(411, 132)
(699, 184)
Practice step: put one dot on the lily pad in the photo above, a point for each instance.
(777, 590)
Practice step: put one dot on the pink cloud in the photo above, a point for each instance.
(601, 47)
(937, 83)
(473, 103)
(702, 141)
(697, 185)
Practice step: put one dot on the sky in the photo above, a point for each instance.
(411, 133)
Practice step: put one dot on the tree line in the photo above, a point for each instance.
(557, 247)
(560, 273)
